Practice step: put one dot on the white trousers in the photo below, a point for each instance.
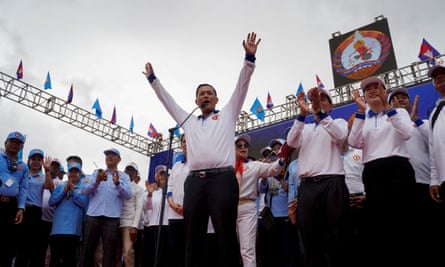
(247, 222)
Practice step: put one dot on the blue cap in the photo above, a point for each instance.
(113, 151)
(36, 151)
(16, 135)
(61, 169)
(74, 165)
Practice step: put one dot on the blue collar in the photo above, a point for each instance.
(372, 113)
(203, 118)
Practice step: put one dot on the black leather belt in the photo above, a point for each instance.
(319, 178)
(210, 172)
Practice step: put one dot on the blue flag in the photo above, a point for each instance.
(176, 132)
(131, 125)
(258, 109)
(300, 89)
(47, 84)
(96, 106)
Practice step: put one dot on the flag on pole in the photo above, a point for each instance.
(257, 109)
(113, 117)
(152, 131)
(20, 71)
(47, 84)
(70, 95)
(300, 89)
(319, 83)
(96, 106)
(428, 52)
(269, 104)
(131, 125)
(176, 132)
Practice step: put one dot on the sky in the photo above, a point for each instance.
(101, 48)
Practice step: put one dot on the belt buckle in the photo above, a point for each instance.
(202, 174)
(4, 199)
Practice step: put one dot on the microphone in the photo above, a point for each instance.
(204, 103)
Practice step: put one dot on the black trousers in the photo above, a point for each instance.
(176, 243)
(322, 217)
(150, 243)
(8, 231)
(390, 190)
(217, 196)
(29, 252)
(96, 228)
(64, 250)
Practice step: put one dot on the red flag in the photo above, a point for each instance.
(428, 52)
(269, 101)
(113, 117)
(20, 71)
(152, 131)
(319, 83)
(70, 95)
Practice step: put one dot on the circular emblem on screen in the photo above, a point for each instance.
(361, 54)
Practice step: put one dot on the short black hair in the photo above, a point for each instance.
(205, 84)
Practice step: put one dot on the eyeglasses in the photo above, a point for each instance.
(242, 145)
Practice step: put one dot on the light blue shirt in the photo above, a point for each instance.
(292, 179)
(106, 197)
(35, 189)
(69, 209)
(279, 200)
(14, 183)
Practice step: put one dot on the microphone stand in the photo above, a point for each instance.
(171, 132)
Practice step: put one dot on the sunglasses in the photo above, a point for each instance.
(244, 145)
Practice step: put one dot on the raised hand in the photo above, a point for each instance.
(314, 96)
(116, 177)
(301, 101)
(358, 100)
(47, 163)
(148, 69)
(101, 176)
(414, 111)
(383, 94)
(251, 43)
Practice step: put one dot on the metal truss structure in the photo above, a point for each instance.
(41, 101)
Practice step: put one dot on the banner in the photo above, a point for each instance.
(364, 52)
